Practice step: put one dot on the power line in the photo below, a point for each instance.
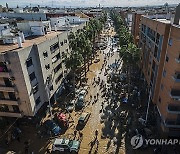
(9, 128)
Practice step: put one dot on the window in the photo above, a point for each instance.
(170, 42)
(45, 54)
(47, 66)
(12, 96)
(8, 82)
(59, 78)
(29, 62)
(4, 108)
(35, 89)
(155, 51)
(63, 54)
(157, 38)
(32, 76)
(65, 41)
(51, 88)
(164, 73)
(2, 95)
(61, 43)
(38, 101)
(16, 108)
(54, 47)
(167, 58)
(56, 58)
(58, 67)
(159, 99)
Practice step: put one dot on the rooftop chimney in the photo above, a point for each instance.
(177, 15)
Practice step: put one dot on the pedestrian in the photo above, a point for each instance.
(80, 135)
(90, 97)
(75, 132)
(96, 133)
(97, 95)
(94, 97)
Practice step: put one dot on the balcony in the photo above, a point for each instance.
(4, 72)
(175, 94)
(173, 109)
(172, 124)
(4, 75)
(176, 77)
(10, 114)
(9, 102)
(7, 89)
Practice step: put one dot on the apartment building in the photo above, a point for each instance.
(159, 42)
(26, 67)
(135, 27)
(169, 94)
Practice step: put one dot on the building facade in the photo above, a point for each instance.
(160, 63)
(169, 93)
(24, 72)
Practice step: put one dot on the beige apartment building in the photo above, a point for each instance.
(160, 62)
(25, 67)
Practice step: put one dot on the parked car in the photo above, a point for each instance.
(83, 118)
(83, 93)
(71, 105)
(52, 127)
(66, 145)
(80, 103)
(62, 120)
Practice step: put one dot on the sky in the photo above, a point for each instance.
(86, 3)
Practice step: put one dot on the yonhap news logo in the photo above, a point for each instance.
(137, 141)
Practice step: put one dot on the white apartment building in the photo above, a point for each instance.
(25, 68)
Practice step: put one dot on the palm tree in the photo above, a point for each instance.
(73, 62)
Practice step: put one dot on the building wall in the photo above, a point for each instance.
(160, 65)
(153, 53)
(30, 100)
(136, 19)
(168, 83)
(25, 16)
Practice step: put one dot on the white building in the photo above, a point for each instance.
(30, 28)
(25, 68)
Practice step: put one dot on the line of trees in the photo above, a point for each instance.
(82, 44)
(128, 51)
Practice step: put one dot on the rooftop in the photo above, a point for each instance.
(163, 21)
(29, 42)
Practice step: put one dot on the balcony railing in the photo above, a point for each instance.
(10, 114)
(172, 124)
(7, 89)
(173, 109)
(9, 102)
(4, 75)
